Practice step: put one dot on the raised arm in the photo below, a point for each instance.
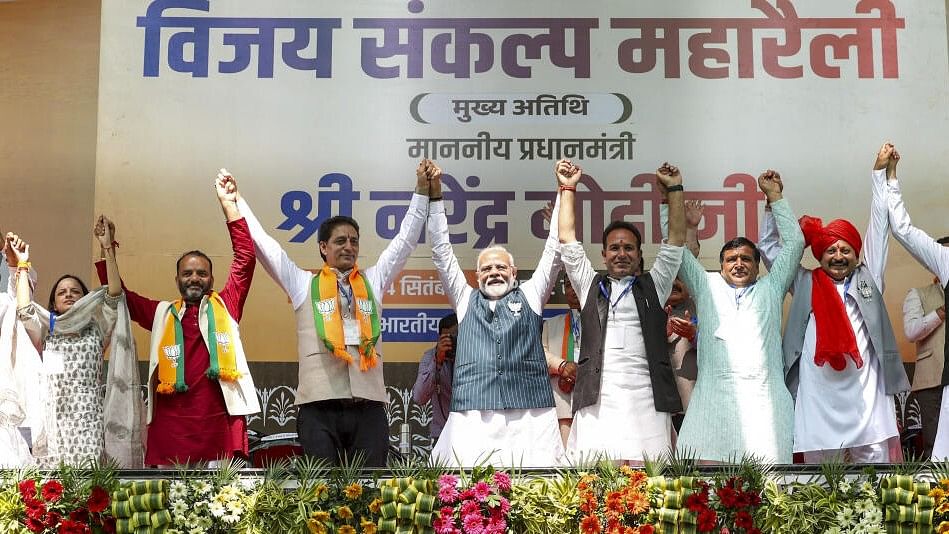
(452, 276)
(104, 232)
(26, 312)
(664, 269)
(876, 242)
(788, 260)
(396, 254)
(235, 290)
(918, 243)
(274, 259)
(769, 244)
(578, 266)
(537, 289)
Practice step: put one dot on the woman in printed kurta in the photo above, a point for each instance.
(72, 335)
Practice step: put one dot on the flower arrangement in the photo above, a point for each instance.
(614, 502)
(858, 509)
(64, 507)
(479, 505)
(201, 506)
(728, 504)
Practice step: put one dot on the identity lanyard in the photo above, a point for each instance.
(347, 292)
(606, 295)
(847, 288)
(52, 322)
(575, 325)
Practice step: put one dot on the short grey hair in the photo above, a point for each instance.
(494, 249)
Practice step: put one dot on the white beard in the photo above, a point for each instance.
(497, 291)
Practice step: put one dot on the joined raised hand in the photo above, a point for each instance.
(568, 174)
(226, 187)
(104, 230)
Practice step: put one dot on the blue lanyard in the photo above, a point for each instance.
(606, 295)
(52, 322)
(574, 325)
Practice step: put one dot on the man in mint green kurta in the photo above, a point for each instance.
(740, 404)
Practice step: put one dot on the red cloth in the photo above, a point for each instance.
(835, 336)
(195, 426)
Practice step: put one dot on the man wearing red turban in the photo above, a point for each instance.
(840, 356)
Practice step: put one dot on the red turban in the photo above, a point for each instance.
(820, 237)
(835, 337)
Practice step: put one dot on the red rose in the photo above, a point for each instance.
(98, 500)
(647, 529)
(27, 488)
(52, 491)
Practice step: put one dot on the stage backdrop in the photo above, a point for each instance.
(324, 108)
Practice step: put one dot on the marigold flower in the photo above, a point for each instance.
(344, 512)
(320, 515)
(375, 505)
(345, 529)
(353, 491)
(315, 526)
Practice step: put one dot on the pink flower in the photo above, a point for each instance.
(482, 490)
(470, 507)
(505, 505)
(472, 523)
(448, 489)
(444, 523)
(502, 481)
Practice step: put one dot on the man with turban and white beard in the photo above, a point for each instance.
(841, 360)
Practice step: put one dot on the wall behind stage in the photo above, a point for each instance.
(326, 108)
(49, 92)
(49, 71)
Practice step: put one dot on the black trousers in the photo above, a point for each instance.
(338, 429)
(930, 400)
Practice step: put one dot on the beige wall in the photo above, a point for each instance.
(49, 62)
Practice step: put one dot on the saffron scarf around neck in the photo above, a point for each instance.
(328, 318)
(220, 341)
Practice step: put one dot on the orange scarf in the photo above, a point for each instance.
(328, 320)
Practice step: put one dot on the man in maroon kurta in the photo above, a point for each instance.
(195, 426)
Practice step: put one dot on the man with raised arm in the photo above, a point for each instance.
(841, 361)
(341, 394)
(502, 406)
(924, 323)
(626, 389)
(934, 257)
(199, 385)
(740, 404)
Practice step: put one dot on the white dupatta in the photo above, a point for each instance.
(123, 406)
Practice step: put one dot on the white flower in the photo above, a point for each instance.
(833, 530)
(201, 487)
(179, 507)
(178, 490)
(196, 530)
(231, 518)
(844, 486)
(205, 522)
(845, 515)
(216, 509)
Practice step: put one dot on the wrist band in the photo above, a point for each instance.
(23, 265)
(673, 188)
(568, 188)
(433, 199)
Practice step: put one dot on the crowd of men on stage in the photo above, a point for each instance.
(646, 361)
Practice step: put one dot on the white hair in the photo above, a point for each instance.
(494, 249)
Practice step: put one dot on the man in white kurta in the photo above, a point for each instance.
(934, 257)
(843, 410)
(507, 418)
(620, 417)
